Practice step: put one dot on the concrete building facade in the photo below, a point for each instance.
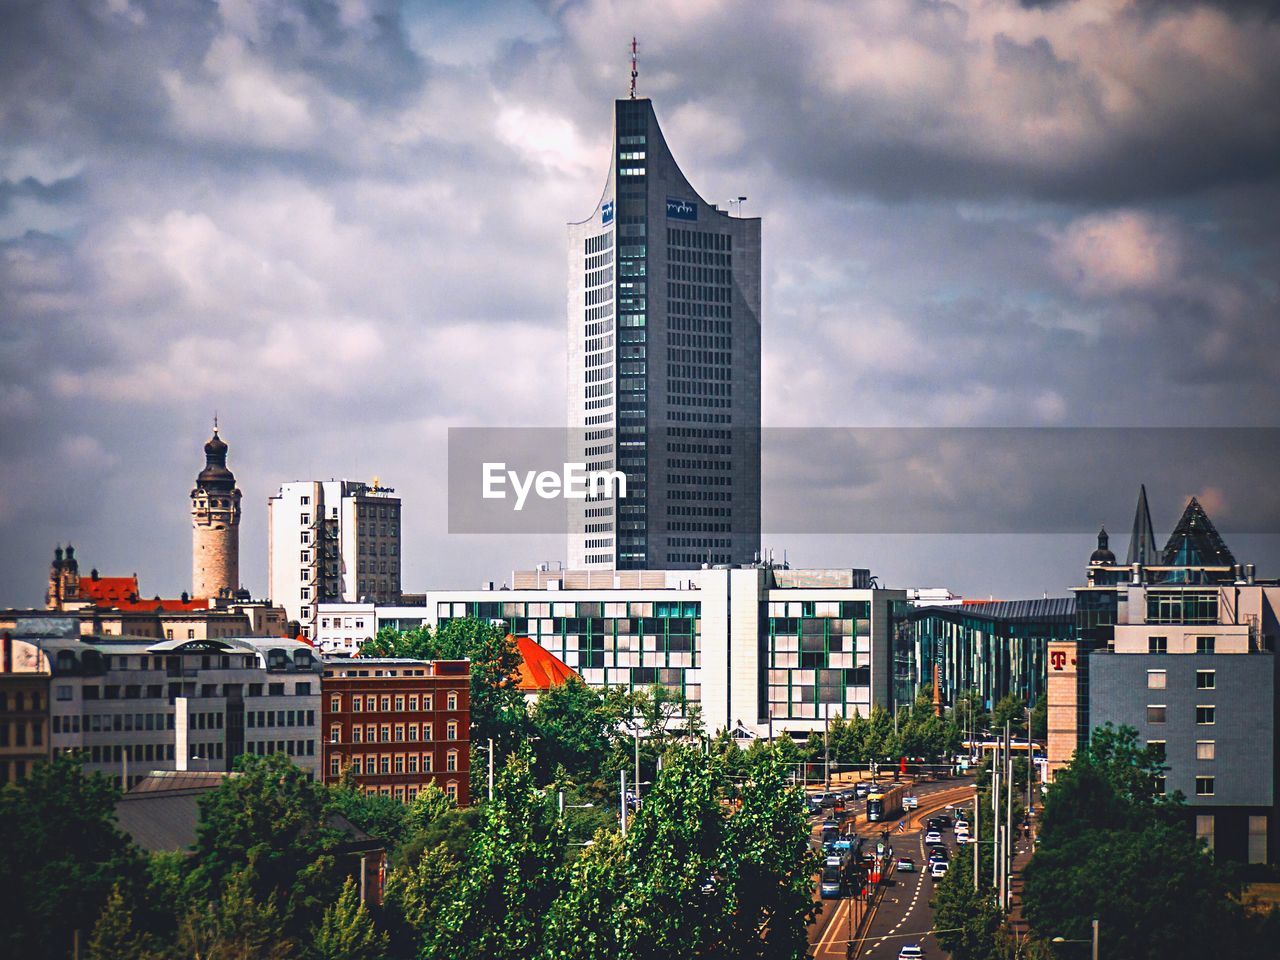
(215, 525)
(749, 644)
(133, 706)
(664, 365)
(332, 540)
(1179, 644)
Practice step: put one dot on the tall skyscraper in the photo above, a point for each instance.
(331, 540)
(664, 365)
(215, 523)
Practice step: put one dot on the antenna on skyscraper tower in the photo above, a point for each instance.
(635, 72)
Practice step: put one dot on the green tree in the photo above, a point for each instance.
(236, 926)
(1040, 718)
(497, 705)
(512, 875)
(1161, 896)
(879, 742)
(383, 817)
(969, 713)
(766, 844)
(453, 828)
(573, 724)
(60, 840)
(429, 805)
(678, 897)
(416, 643)
(1009, 710)
(115, 937)
(968, 920)
(270, 814)
(414, 895)
(347, 932)
(583, 923)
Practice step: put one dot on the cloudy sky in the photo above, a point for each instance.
(340, 223)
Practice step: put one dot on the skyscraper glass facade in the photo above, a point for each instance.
(664, 365)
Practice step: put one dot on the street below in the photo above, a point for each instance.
(901, 905)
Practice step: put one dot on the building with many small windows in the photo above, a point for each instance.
(747, 644)
(398, 724)
(132, 706)
(24, 710)
(332, 540)
(1179, 644)
(664, 364)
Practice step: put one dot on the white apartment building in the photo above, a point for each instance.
(332, 540)
(749, 644)
(132, 706)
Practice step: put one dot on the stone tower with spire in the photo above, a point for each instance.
(215, 521)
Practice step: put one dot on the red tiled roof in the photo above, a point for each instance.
(108, 591)
(539, 668)
(121, 593)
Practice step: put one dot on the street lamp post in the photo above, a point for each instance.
(826, 746)
(1093, 940)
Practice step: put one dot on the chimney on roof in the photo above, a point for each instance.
(93, 574)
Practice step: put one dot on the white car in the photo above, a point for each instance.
(962, 825)
(933, 836)
(962, 837)
(910, 951)
(938, 870)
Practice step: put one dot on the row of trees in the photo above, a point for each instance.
(266, 876)
(715, 864)
(1112, 847)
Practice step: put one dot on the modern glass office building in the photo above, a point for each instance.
(664, 365)
(995, 648)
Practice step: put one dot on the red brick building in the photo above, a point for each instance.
(400, 724)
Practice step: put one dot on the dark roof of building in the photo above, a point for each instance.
(1046, 609)
(1142, 541)
(161, 812)
(215, 476)
(1102, 556)
(1195, 541)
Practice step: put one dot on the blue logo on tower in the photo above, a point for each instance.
(681, 210)
(606, 213)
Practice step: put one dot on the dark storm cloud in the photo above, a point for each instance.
(920, 99)
(340, 224)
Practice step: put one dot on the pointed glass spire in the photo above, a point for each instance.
(1142, 542)
(1195, 541)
